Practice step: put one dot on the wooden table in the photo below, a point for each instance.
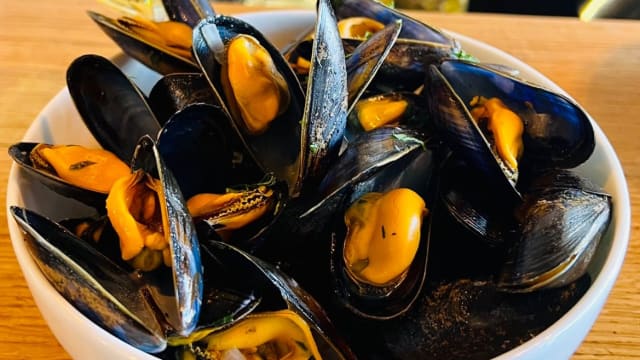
(597, 63)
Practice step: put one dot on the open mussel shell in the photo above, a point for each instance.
(563, 220)
(277, 149)
(365, 159)
(406, 65)
(378, 302)
(93, 284)
(20, 154)
(277, 291)
(200, 147)
(557, 132)
(157, 58)
(411, 28)
(189, 12)
(364, 61)
(403, 68)
(111, 106)
(183, 241)
(378, 161)
(174, 92)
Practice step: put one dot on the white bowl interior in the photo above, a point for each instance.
(59, 123)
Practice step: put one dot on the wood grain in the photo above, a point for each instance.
(597, 63)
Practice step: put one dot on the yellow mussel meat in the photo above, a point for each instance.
(257, 92)
(136, 214)
(383, 235)
(92, 169)
(376, 112)
(232, 210)
(505, 125)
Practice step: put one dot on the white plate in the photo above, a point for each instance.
(59, 123)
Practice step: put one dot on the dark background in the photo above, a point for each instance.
(532, 7)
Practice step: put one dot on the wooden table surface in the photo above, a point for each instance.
(597, 63)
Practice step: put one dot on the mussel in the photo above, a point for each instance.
(380, 161)
(545, 129)
(161, 42)
(177, 230)
(563, 217)
(78, 172)
(227, 194)
(264, 138)
(72, 266)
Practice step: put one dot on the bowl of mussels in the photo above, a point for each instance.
(343, 183)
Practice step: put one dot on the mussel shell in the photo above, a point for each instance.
(111, 106)
(451, 117)
(374, 302)
(561, 228)
(20, 154)
(325, 111)
(185, 251)
(252, 236)
(277, 150)
(195, 144)
(411, 28)
(189, 12)
(364, 61)
(406, 65)
(93, 284)
(365, 158)
(174, 92)
(278, 291)
(377, 161)
(154, 57)
(479, 211)
(557, 132)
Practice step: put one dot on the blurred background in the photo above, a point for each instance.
(584, 9)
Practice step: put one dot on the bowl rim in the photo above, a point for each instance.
(593, 299)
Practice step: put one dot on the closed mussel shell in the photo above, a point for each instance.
(562, 221)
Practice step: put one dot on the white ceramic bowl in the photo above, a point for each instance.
(59, 123)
